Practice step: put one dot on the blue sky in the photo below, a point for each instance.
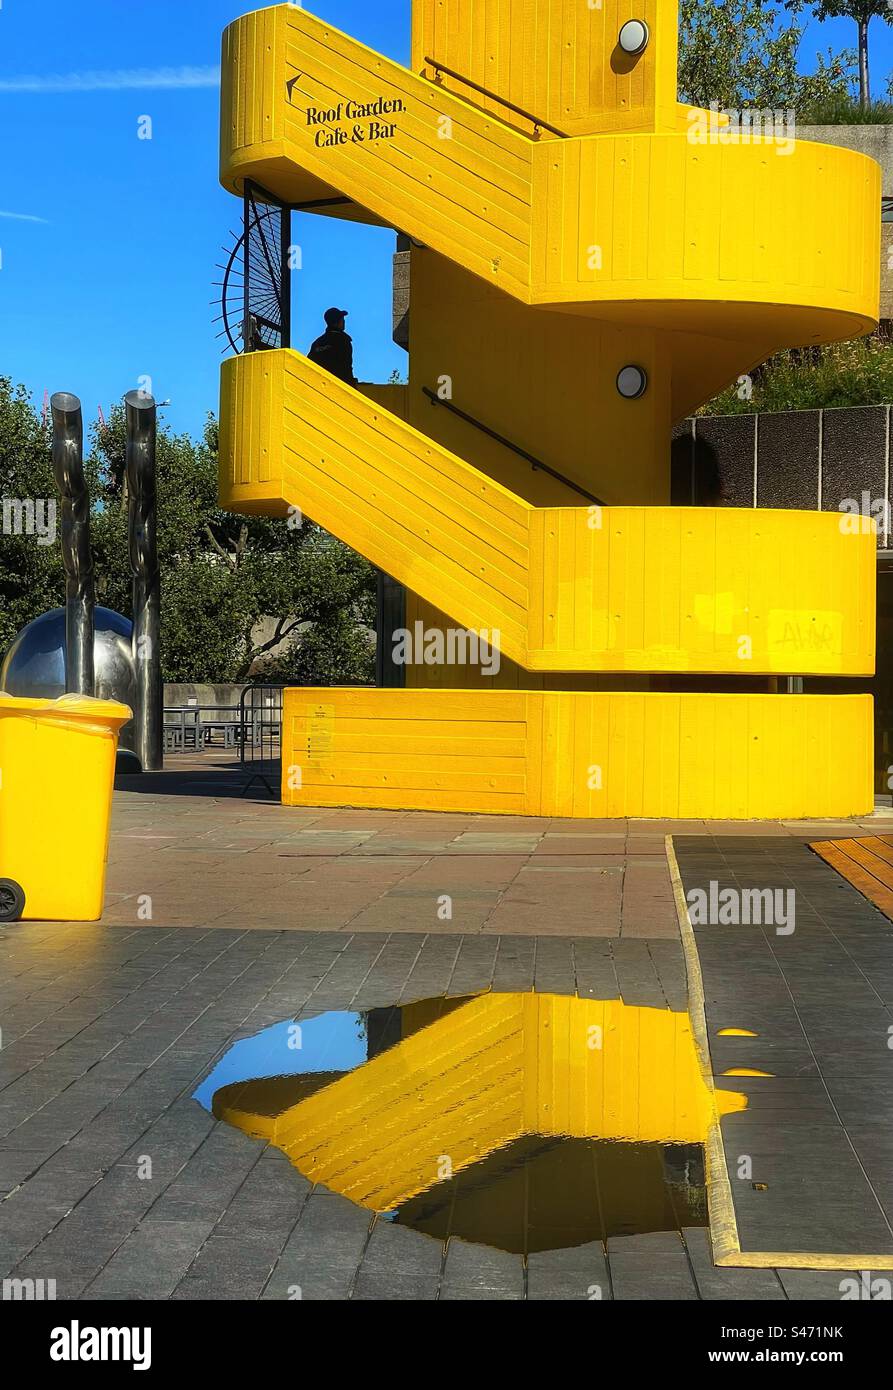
(115, 282)
(332, 1042)
(109, 260)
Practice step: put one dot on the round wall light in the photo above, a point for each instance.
(634, 36)
(632, 382)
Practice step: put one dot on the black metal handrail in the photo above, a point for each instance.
(536, 464)
(537, 121)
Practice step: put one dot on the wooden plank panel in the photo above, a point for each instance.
(856, 874)
(647, 590)
(532, 752)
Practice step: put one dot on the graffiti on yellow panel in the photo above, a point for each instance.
(802, 632)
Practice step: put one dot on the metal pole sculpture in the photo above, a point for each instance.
(140, 466)
(77, 560)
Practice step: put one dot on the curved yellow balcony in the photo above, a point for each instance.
(731, 239)
(644, 589)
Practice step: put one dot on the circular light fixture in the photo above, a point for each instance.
(634, 36)
(632, 382)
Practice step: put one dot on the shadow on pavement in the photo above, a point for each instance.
(208, 776)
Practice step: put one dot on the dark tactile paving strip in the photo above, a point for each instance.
(809, 1160)
(116, 1184)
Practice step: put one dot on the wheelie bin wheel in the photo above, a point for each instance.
(12, 900)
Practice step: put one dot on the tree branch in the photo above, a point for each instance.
(279, 635)
(231, 560)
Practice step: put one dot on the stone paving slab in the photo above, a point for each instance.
(191, 860)
(816, 990)
(190, 848)
(116, 1184)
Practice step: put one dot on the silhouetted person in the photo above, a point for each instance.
(707, 480)
(334, 350)
(695, 475)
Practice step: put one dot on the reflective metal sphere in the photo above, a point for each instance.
(34, 665)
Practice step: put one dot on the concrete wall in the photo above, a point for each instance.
(874, 140)
(401, 291)
(810, 459)
(183, 693)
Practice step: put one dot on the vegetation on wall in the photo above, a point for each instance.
(743, 54)
(221, 574)
(845, 374)
(840, 108)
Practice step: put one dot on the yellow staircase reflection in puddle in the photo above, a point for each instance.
(496, 1070)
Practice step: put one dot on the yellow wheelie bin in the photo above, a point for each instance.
(57, 771)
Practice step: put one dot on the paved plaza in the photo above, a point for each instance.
(227, 913)
(108, 1032)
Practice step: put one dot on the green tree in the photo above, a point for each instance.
(31, 575)
(743, 53)
(862, 12)
(222, 575)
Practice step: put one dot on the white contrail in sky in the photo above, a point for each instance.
(120, 80)
(23, 217)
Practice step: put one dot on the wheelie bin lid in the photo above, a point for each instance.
(80, 709)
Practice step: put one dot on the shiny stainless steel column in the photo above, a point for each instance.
(140, 415)
(77, 559)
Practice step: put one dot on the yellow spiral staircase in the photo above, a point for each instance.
(573, 226)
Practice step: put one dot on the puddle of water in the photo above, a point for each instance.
(524, 1121)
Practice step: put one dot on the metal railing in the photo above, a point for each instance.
(254, 726)
(536, 464)
(537, 121)
(260, 716)
(255, 292)
(266, 302)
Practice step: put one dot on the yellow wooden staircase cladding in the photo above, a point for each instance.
(577, 80)
(733, 240)
(569, 589)
(470, 192)
(376, 1134)
(586, 754)
(726, 238)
